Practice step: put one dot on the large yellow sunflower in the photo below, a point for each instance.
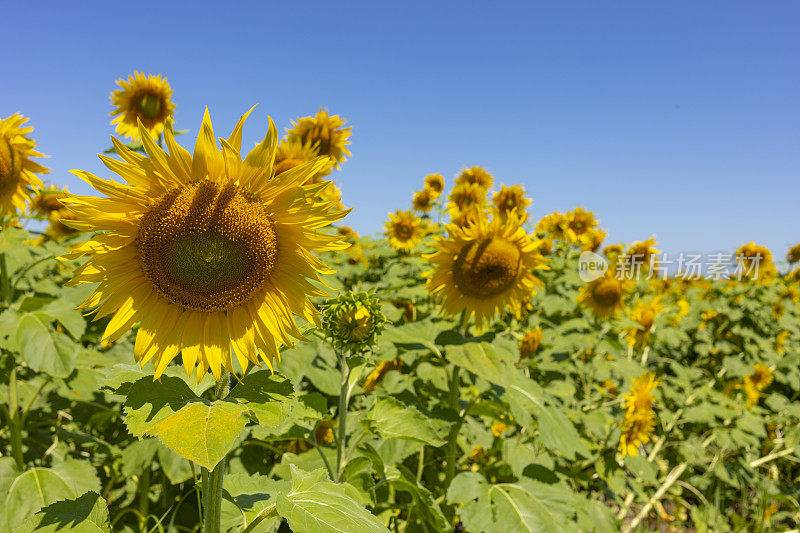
(209, 252)
(510, 199)
(17, 171)
(579, 223)
(484, 268)
(325, 133)
(404, 230)
(554, 225)
(293, 153)
(142, 98)
(422, 201)
(605, 296)
(755, 263)
(476, 175)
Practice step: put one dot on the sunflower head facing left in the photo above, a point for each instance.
(326, 133)
(17, 170)
(484, 268)
(209, 252)
(145, 99)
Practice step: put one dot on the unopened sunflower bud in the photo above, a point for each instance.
(353, 321)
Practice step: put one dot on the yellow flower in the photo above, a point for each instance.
(293, 153)
(752, 394)
(613, 251)
(604, 297)
(593, 238)
(347, 232)
(405, 231)
(467, 217)
(325, 133)
(484, 269)
(644, 313)
(780, 340)
(640, 252)
(376, 376)
(755, 263)
(635, 432)
(206, 250)
(579, 223)
(423, 201)
(640, 398)
(511, 199)
(760, 378)
(142, 98)
(353, 321)
(17, 170)
(530, 343)
(499, 427)
(324, 433)
(464, 197)
(46, 201)
(475, 175)
(554, 224)
(435, 184)
(793, 256)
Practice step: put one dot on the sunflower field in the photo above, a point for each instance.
(203, 344)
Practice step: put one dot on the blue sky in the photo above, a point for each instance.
(674, 118)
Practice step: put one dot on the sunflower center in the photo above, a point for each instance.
(487, 268)
(149, 105)
(608, 293)
(404, 231)
(207, 247)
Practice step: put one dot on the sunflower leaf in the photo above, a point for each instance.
(389, 418)
(88, 512)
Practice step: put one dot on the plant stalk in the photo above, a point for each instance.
(14, 421)
(5, 288)
(344, 397)
(212, 481)
(450, 452)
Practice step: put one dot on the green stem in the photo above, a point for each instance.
(5, 290)
(144, 497)
(212, 481)
(452, 438)
(14, 422)
(344, 393)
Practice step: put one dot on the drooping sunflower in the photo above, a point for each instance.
(635, 432)
(435, 184)
(422, 201)
(404, 230)
(475, 175)
(755, 263)
(793, 255)
(640, 252)
(325, 133)
(484, 268)
(142, 98)
(46, 200)
(509, 199)
(212, 254)
(17, 170)
(530, 343)
(605, 296)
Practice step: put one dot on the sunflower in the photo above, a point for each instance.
(640, 398)
(467, 217)
(435, 184)
(530, 343)
(46, 201)
(375, 377)
(644, 313)
(475, 175)
(466, 196)
(348, 233)
(793, 255)
(423, 201)
(613, 251)
(404, 230)
(635, 432)
(293, 153)
(510, 199)
(604, 296)
(761, 377)
(579, 223)
(641, 252)
(554, 224)
(17, 171)
(208, 251)
(142, 98)
(325, 133)
(593, 238)
(755, 263)
(484, 268)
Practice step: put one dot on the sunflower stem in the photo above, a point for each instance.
(5, 288)
(344, 397)
(212, 481)
(14, 422)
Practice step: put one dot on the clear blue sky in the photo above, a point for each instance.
(676, 118)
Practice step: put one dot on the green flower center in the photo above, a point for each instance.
(149, 105)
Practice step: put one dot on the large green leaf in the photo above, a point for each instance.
(202, 431)
(247, 497)
(85, 514)
(524, 506)
(390, 418)
(424, 505)
(149, 402)
(31, 491)
(483, 359)
(44, 349)
(316, 505)
(269, 397)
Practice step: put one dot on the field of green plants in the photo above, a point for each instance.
(535, 402)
